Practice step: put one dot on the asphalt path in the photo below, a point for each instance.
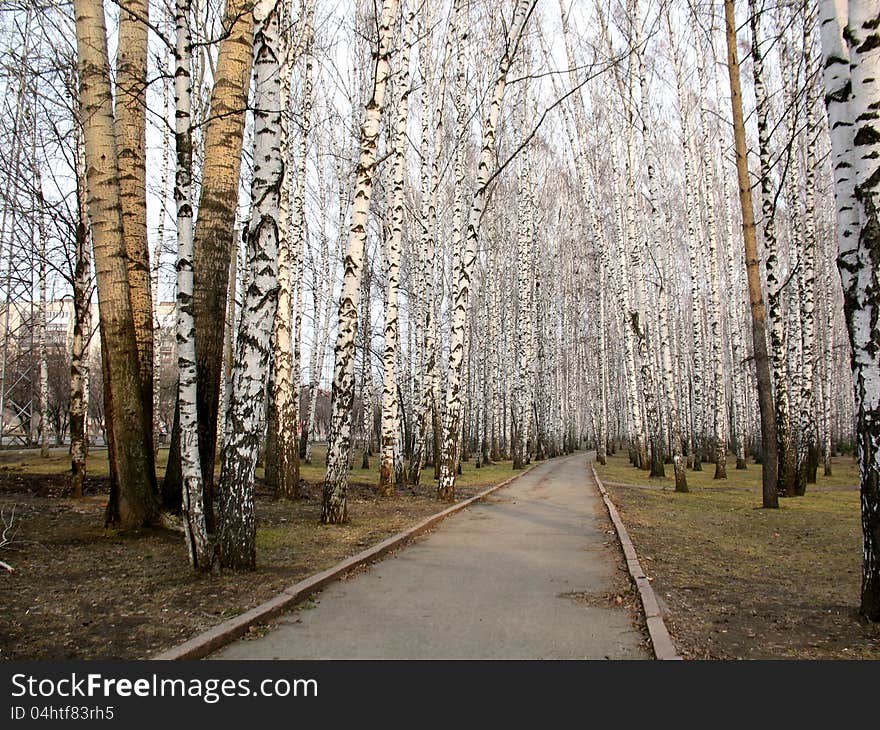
(525, 574)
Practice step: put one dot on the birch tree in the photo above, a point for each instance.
(852, 98)
(334, 508)
(291, 241)
(193, 513)
(214, 238)
(245, 419)
(769, 463)
(136, 505)
(390, 402)
(452, 423)
(79, 359)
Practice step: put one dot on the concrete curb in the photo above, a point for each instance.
(228, 631)
(661, 642)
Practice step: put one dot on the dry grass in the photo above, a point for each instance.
(844, 468)
(745, 582)
(81, 591)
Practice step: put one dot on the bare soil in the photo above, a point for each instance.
(742, 582)
(82, 591)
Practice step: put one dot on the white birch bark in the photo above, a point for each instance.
(711, 254)
(390, 402)
(853, 102)
(291, 241)
(82, 330)
(245, 417)
(336, 484)
(697, 431)
(806, 270)
(421, 260)
(524, 271)
(452, 425)
(193, 513)
(768, 214)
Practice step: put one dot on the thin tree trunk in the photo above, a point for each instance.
(770, 496)
(193, 513)
(82, 326)
(333, 510)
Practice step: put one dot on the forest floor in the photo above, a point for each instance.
(744, 582)
(83, 591)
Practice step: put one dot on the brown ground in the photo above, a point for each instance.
(747, 583)
(80, 591)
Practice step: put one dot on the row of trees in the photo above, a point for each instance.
(519, 229)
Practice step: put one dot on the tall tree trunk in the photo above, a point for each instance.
(770, 497)
(132, 448)
(452, 425)
(719, 405)
(806, 270)
(247, 407)
(193, 513)
(82, 326)
(214, 231)
(333, 510)
(291, 241)
(852, 98)
(391, 403)
(131, 139)
(785, 441)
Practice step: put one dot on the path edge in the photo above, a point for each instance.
(228, 631)
(661, 641)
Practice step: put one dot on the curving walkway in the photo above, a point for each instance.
(518, 576)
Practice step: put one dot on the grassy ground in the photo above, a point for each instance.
(26, 463)
(81, 591)
(744, 582)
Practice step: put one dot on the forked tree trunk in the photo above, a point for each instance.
(135, 505)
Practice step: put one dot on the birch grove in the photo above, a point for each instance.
(476, 235)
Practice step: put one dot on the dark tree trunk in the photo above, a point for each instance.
(172, 489)
(756, 296)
